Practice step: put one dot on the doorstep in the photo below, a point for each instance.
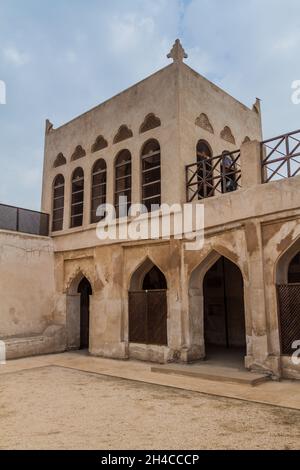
(214, 373)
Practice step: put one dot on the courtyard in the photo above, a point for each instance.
(72, 401)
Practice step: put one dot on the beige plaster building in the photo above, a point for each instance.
(174, 138)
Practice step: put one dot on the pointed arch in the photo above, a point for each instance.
(140, 272)
(151, 121)
(99, 144)
(78, 290)
(204, 122)
(216, 304)
(60, 160)
(226, 134)
(73, 281)
(284, 260)
(288, 294)
(147, 306)
(78, 153)
(123, 133)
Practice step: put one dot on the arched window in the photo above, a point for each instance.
(58, 203)
(98, 188)
(77, 198)
(123, 183)
(151, 175)
(205, 170)
(228, 172)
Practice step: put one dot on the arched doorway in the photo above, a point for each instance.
(147, 306)
(288, 289)
(85, 290)
(78, 312)
(224, 313)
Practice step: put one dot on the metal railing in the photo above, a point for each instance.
(281, 157)
(214, 175)
(23, 220)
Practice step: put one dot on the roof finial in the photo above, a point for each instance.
(177, 53)
(256, 106)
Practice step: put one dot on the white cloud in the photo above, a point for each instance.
(71, 57)
(15, 57)
(250, 50)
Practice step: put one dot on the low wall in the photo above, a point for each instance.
(27, 295)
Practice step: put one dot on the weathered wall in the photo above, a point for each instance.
(28, 305)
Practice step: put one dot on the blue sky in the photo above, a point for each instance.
(60, 58)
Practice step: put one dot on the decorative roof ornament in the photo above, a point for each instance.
(48, 127)
(177, 53)
(257, 106)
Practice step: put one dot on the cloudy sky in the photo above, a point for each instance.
(60, 58)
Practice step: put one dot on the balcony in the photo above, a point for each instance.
(24, 220)
(272, 160)
(281, 157)
(212, 176)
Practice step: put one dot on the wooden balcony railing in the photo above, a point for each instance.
(211, 176)
(281, 157)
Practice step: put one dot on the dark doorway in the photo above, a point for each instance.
(224, 315)
(148, 310)
(85, 290)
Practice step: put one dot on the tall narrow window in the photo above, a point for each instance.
(123, 183)
(151, 175)
(77, 198)
(98, 188)
(205, 170)
(58, 203)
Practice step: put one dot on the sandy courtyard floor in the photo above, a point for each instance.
(57, 408)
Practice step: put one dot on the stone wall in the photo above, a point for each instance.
(28, 301)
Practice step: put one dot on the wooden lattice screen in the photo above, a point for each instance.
(289, 316)
(213, 175)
